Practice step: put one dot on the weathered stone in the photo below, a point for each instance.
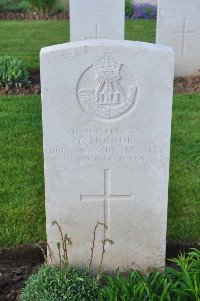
(107, 123)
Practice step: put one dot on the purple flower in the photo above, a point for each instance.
(144, 11)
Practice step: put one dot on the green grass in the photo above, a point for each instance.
(22, 214)
(184, 189)
(22, 217)
(24, 39)
(141, 30)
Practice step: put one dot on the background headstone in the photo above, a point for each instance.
(178, 26)
(107, 123)
(92, 19)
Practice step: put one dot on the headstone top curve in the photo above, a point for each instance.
(120, 43)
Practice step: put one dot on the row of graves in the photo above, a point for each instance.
(107, 109)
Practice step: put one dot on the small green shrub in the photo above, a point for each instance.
(180, 284)
(12, 72)
(3, 3)
(65, 283)
(60, 283)
(14, 6)
(187, 276)
(152, 287)
(43, 6)
(53, 284)
(128, 8)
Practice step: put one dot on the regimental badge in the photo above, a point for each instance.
(107, 89)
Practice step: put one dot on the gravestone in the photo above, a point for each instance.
(106, 124)
(92, 19)
(178, 26)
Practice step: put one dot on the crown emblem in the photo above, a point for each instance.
(108, 96)
(107, 66)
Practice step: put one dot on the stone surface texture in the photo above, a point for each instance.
(107, 124)
(178, 26)
(96, 19)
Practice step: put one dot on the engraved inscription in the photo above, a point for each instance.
(107, 90)
(184, 34)
(107, 145)
(106, 198)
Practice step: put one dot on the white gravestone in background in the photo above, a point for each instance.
(92, 19)
(178, 26)
(107, 123)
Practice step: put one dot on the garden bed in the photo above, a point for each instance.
(17, 264)
(187, 84)
(28, 15)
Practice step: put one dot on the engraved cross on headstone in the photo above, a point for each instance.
(106, 198)
(97, 34)
(184, 33)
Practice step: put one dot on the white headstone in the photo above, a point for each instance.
(179, 27)
(107, 123)
(92, 19)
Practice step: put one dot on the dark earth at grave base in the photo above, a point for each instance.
(17, 264)
(187, 85)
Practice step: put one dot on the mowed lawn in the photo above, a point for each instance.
(22, 213)
(24, 39)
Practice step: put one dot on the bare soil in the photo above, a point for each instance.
(182, 85)
(16, 265)
(187, 84)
